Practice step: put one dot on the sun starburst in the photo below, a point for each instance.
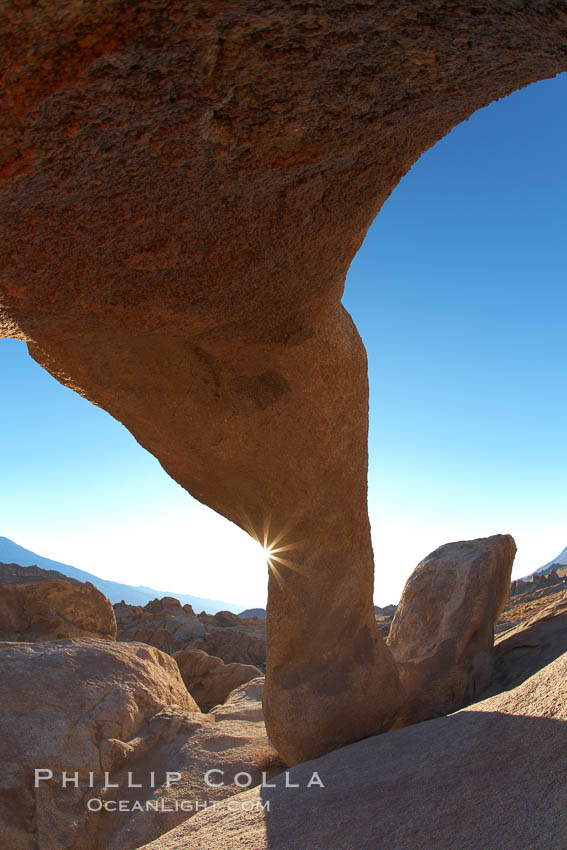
(276, 548)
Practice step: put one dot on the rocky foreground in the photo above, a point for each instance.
(91, 713)
(493, 774)
(489, 776)
(106, 716)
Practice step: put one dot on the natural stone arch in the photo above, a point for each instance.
(183, 187)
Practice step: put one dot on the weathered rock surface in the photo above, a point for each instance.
(234, 745)
(244, 703)
(35, 606)
(92, 705)
(442, 635)
(76, 705)
(527, 647)
(16, 574)
(163, 623)
(491, 775)
(208, 679)
(182, 189)
(233, 646)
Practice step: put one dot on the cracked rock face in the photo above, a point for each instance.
(182, 189)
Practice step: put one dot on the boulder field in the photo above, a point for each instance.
(182, 189)
(234, 646)
(163, 623)
(172, 627)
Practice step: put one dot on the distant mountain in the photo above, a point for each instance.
(560, 560)
(386, 611)
(12, 553)
(253, 612)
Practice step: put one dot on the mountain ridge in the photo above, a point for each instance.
(12, 553)
(560, 560)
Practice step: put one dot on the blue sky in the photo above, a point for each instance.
(459, 294)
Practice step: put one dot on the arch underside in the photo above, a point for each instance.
(182, 190)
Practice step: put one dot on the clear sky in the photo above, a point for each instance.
(459, 292)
